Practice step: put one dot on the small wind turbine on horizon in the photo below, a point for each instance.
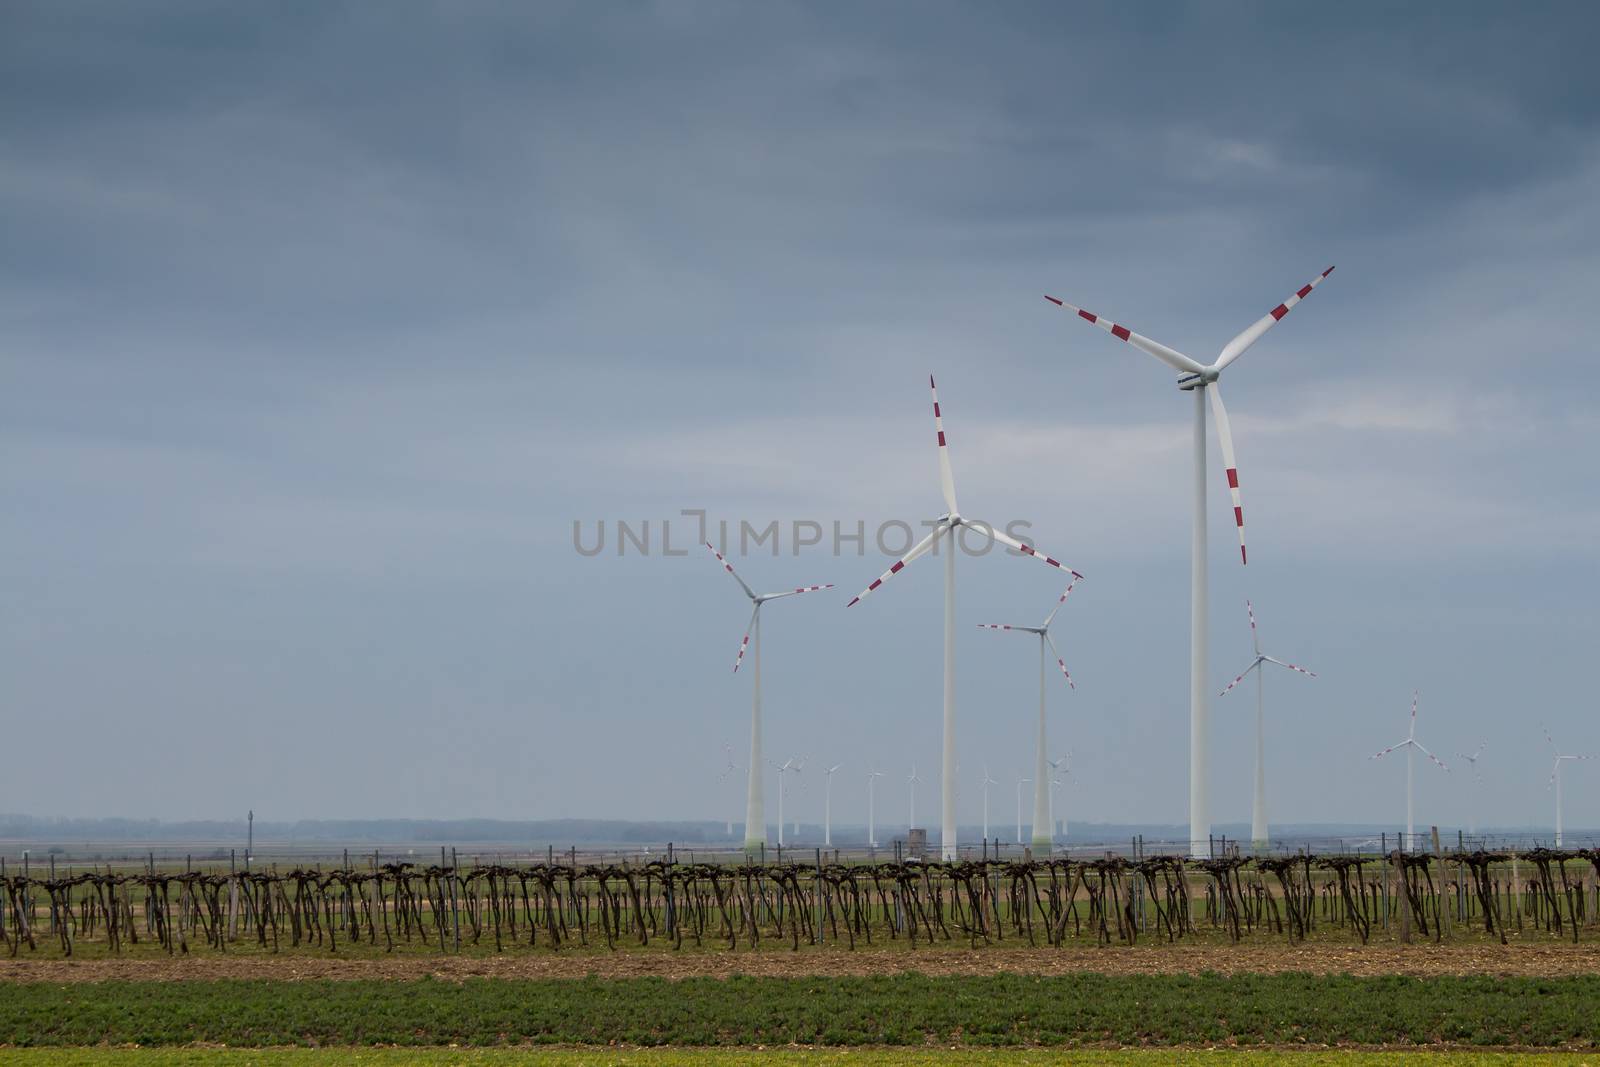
(912, 811)
(1477, 778)
(987, 782)
(872, 824)
(948, 526)
(1555, 778)
(791, 765)
(1055, 783)
(1258, 806)
(1020, 783)
(730, 769)
(755, 814)
(1412, 747)
(827, 805)
(1043, 833)
(1202, 380)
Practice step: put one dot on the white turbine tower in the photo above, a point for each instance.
(1555, 779)
(1412, 747)
(987, 782)
(872, 822)
(1020, 783)
(1477, 778)
(1042, 831)
(1258, 806)
(827, 805)
(755, 814)
(950, 524)
(912, 810)
(1201, 379)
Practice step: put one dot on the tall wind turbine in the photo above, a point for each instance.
(1477, 778)
(987, 782)
(1258, 807)
(1412, 747)
(1042, 831)
(912, 811)
(948, 526)
(827, 805)
(755, 814)
(1020, 783)
(872, 823)
(1201, 380)
(1555, 779)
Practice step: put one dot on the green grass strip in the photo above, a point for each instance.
(998, 1010)
(389, 1057)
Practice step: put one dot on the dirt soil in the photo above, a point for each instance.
(1538, 960)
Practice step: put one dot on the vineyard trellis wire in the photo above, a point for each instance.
(1112, 899)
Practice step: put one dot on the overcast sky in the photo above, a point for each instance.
(321, 325)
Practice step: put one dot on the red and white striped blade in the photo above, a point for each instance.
(1243, 675)
(1051, 617)
(1413, 714)
(1391, 748)
(1027, 550)
(1062, 664)
(1229, 463)
(1430, 755)
(998, 626)
(750, 626)
(751, 593)
(921, 547)
(1235, 348)
(1170, 356)
(1255, 639)
(947, 481)
(796, 592)
(1291, 666)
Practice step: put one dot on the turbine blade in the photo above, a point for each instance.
(749, 626)
(1430, 755)
(1060, 663)
(793, 592)
(1225, 436)
(1170, 356)
(1291, 666)
(751, 593)
(1002, 626)
(1027, 550)
(1048, 619)
(1412, 736)
(1391, 748)
(899, 564)
(1245, 674)
(1255, 639)
(1236, 347)
(947, 481)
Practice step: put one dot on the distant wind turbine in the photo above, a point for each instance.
(1202, 380)
(788, 766)
(730, 769)
(827, 805)
(1020, 783)
(1055, 783)
(987, 782)
(1412, 747)
(1042, 831)
(1555, 779)
(1477, 778)
(912, 782)
(1258, 808)
(949, 526)
(755, 815)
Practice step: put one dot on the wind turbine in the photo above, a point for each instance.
(950, 524)
(1201, 379)
(1412, 747)
(1555, 779)
(1055, 765)
(912, 782)
(1258, 807)
(1042, 832)
(793, 764)
(827, 805)
(872, 824)
(755, 814)
(987, 782)
(1477, 777)
(1020, 783)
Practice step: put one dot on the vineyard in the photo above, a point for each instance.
(554, 905)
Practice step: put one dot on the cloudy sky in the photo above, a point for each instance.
(321, 325)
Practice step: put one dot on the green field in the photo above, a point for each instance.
(1008, 1010)
(340, 1057)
